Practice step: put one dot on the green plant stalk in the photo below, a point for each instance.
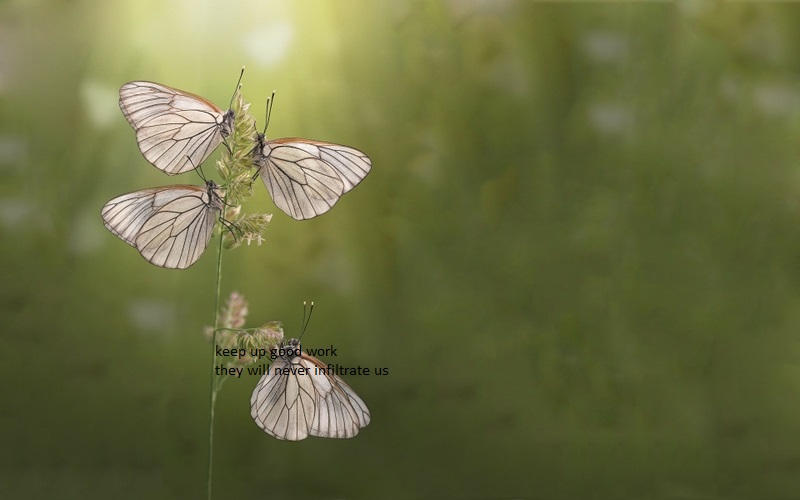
(234, 169)
(212, 390)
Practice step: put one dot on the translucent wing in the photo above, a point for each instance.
(170, 226)
(172, 125)
(340, 412)
(282, 405)
(126, 214)
(293, 406)
(306, 178)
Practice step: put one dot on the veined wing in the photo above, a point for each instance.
(170, 226)
(171, 125)
(283, 405)
(306, 178)
(340, 412)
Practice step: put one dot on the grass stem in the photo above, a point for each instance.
(212, 389)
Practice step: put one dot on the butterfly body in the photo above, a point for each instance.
(170, 226)
(225, 123)
(306, 177)
(298, 398)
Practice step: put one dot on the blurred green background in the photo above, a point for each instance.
(577, 252)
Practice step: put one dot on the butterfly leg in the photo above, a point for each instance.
(230, 227)
(255, 175)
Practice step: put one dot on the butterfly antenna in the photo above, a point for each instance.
(266, 116)
(303, 321)
(268, 113)
(306, 319)
(236, 89)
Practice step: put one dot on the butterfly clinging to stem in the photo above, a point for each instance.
(170, 226)
(299, 398)
(175, 129)
(305, 177)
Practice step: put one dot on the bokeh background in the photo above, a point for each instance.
(578, 251)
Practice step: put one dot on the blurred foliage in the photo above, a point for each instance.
(577, 251)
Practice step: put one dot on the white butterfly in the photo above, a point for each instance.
(300, 403)
(170, 226)
(176, 130)
(304, 177)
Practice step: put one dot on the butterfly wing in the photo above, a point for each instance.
(171, 125)
(170, 226)
(295, 405)
(283, 405)
(306, 178)
(126, 214)
(340, 412)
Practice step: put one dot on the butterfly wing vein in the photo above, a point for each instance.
(170, 226)
(306, 178)
(295, 405)
(171, 125)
